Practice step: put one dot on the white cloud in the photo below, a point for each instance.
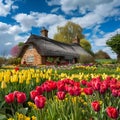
(55, 10)
(27, 21)
(98, 15)
(14, 7)
(82, 5)
(53, 2)
(8, 43)
(6, 6)
(110, 52)
(4, 27)
(9, 36)
(19, 38)
(102, 41)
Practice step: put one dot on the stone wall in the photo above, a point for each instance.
(31, 57)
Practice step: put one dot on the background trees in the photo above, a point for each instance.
(68, 32)
(101, 55)
(114, 43)
(16, 49)
(86, 45)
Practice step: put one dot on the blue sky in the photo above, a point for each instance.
(100, 19)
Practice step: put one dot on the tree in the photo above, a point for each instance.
(86, 45)
(68, 32)
(15, 50)
(114, 43)
(101, 55)
(20, 44)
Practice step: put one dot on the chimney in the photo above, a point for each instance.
(44, 32)
(76, 40)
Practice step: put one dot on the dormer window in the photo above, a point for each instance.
(30, 47)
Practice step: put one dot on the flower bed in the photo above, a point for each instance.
(46, 95)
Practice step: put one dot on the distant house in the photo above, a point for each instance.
(43, 50)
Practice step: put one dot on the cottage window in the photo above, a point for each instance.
(30, 58)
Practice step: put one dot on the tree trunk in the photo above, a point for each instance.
(118, 58)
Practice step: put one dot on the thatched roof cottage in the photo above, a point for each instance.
(41, 50)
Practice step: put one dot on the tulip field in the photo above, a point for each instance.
(58, 93)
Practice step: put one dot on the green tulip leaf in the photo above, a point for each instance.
(3, 117)
(23, 110)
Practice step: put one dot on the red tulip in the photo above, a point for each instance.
(10, 98)
(15, 93)
(21, 97)
(96, 106)
(16, 68)
(84, 82)
(88, 91)
(96, 84)
(61, 95)
(76, 91)
(60, 86)
(48, 86)
(40, 101)
(112, 112)
(71, 90)
(115, 92)
(52, 84)
(103, 88)
(33, 94)
(118, 93)
(39, 89)
(89, 84)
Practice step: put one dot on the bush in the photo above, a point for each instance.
(85, 59)
(15, 61)
(2, 61)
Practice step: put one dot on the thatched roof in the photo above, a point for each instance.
(49, 47)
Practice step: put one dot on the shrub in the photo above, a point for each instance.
(85, 59)
(14, 61)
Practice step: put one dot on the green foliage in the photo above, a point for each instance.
(2, 61)
(14, 61)
(86, 45)
(106, 61)
(85, 59)
(101, 55)
(68, 32)
(114, 43)
(50, 59)
(20, 44)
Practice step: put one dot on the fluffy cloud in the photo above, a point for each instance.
(9, 36)
(35, 19)
(6, 6)
(98, 15)
(102, 40)
(82, 5)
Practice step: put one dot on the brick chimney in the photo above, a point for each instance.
(44, 32)
(76, 40)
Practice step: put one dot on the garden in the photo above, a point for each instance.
(72, 92)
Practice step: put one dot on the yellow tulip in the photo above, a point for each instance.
(3, 85)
